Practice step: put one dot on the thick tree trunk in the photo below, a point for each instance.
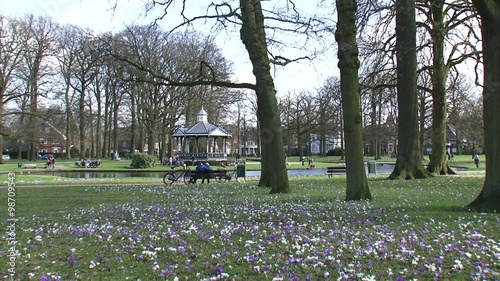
(357, 184)
(409, 162)
(489, 198)
(438, 161)
(274, 173)
(1, 124)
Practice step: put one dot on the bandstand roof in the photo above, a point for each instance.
(201, 128)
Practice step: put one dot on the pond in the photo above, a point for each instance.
(381, 168)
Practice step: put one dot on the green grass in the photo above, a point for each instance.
(412, 230)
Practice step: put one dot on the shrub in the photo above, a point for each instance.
(337, 151)
(141, 161)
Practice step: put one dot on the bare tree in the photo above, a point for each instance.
(465, 112)
(443, 20)
(66, 56)
(87, 58)
(329, 109)
(409, 159)
(39, 33)
(489, 198)
(357, 184)
(150, 55)
(253, 35)
(11, 47)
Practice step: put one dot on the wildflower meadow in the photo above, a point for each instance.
(412, 230)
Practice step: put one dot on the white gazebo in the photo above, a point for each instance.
(201, 141)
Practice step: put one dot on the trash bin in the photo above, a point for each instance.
(372, 167)
(240, 171)
(19, 165)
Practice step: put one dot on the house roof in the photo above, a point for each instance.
(451, 132)
(201, 128)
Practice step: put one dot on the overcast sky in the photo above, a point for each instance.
(96, 14)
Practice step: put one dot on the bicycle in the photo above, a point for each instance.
(229, 174)
(177, 175)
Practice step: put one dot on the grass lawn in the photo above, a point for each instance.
(28, 177)
(412, 230)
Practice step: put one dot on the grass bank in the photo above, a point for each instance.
(412, 230)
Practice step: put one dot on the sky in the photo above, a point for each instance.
(96, 15)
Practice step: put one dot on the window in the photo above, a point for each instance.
(43, 141)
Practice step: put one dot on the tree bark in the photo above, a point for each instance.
(274, 173)
(438, 163)
(409, 161)
(357, 184)
(489, 198)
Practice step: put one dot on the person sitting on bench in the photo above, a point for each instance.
(202, 169)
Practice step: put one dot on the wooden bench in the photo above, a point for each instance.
(333, 170)
(29, 166)
(214, 174)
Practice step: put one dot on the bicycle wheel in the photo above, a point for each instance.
(169, 178)
(221, 176)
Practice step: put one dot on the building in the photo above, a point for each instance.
(49, 140)
(386, 136)
(332, 141)
(201, 140)
(451, 141)
(250, 148)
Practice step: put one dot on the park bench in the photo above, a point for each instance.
(29, 166)
(214, 174)
(336, 169)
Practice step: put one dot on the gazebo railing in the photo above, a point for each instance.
(203, 156)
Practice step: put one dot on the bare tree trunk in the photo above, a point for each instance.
(34, 121)
(83, 121)
(409, 162)
(106, 139)
(115, 126)
(342, 141)
(133, 126)
(357, 184)
(489, 198)
(274, 173)
(421, 137)
(375, 127)
(98, 135)
(438, 161)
